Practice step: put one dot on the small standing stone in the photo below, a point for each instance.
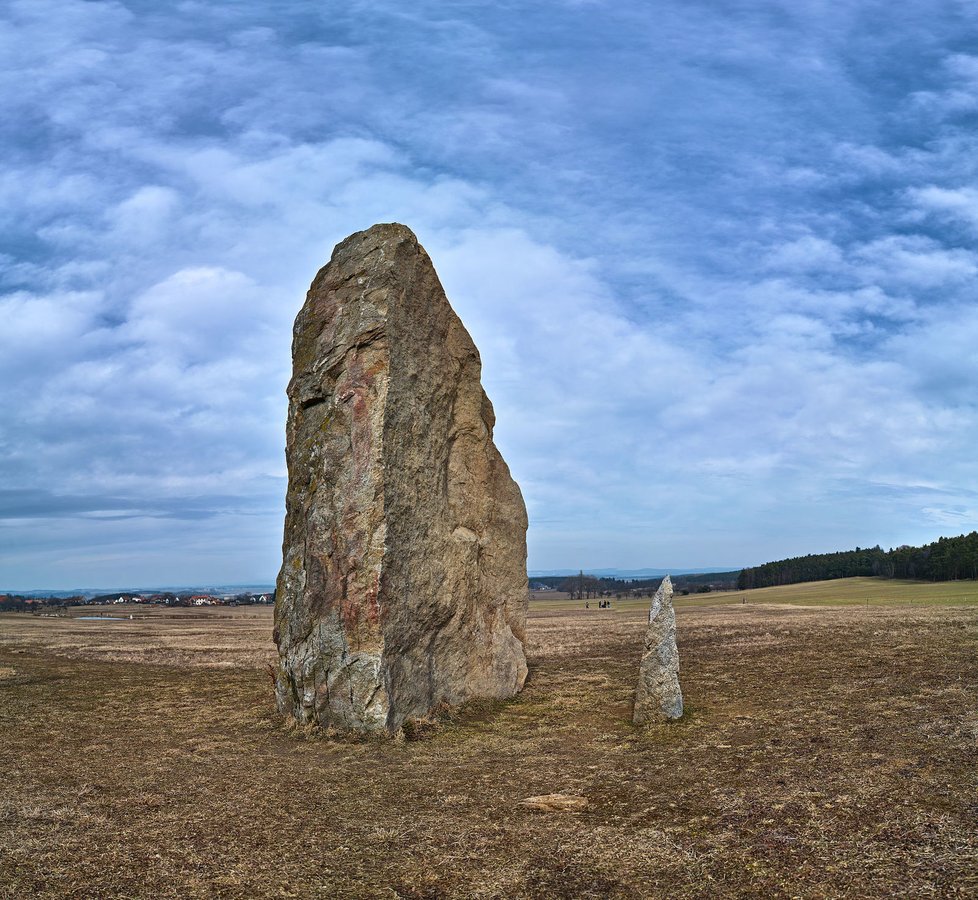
(659, 697)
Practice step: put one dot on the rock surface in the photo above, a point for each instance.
(659, 697)
(403, 584)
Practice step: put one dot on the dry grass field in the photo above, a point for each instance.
(866, 592)
(828, 750)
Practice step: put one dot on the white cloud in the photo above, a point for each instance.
(715, 267)
(806, 254)
(916, 262)
(953, 203)
(196, 313)
(145, 216)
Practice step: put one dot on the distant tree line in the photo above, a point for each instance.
(947, 559)
(584, 587)
(19, 603)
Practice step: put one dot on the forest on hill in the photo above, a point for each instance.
(947, 559)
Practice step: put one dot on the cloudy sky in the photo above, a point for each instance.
(719, 259)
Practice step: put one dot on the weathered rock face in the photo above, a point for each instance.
(403, 582)
(659, 696)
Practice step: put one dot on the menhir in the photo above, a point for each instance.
(658, 696)
(403, 584)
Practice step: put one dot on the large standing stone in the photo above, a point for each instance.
(659, 696)
(403, 582)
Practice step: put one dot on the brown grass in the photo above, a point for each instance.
(826, 752)
(221, 637)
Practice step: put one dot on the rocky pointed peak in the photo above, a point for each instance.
(663, 596)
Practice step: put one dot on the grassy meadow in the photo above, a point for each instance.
(829, 749)
(865, 592)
